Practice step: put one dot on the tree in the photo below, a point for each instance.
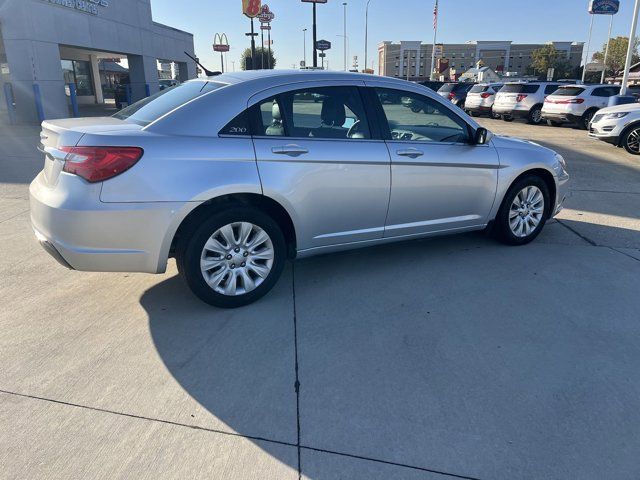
(617, 54)
(261, 53)
(548, 57)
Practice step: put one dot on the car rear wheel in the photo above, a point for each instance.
(586, 119)
(631, 141)
(523, 212)
(233, 258)
(507, 118)
(535, 115)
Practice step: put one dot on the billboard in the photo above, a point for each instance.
(604, 7)
(251, 8)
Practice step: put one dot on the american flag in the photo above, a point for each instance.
(435, 16)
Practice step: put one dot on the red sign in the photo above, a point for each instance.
(266, 15)
(251, 8)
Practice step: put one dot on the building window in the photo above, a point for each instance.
(78, 72)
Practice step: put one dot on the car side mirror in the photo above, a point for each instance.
(481, 136)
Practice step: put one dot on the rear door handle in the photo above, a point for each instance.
(291, 150)
(410, 152)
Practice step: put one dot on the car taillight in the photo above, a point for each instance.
(521, 97)
(485, 95)
(452, 96)
(96, 164)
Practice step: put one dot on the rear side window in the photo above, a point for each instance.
(519, 88)
(152, 108)
(569, 91)
(606, 91)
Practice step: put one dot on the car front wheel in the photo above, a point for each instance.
(523, 212)
(233, 258)
(631, 141)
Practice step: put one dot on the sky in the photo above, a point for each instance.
(521, 21)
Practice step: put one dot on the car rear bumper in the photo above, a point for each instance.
(511, 111)
(85, 234)
(478, 108)
(560, 117)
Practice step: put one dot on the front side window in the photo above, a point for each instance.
(413, 117)
(325, 112)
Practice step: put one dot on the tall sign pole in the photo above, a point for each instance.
(221, 44)
(252, 8)
(601, 7)
(630, 50)
(315, 29)
(606, 51)
(433, 47)
(266, 17)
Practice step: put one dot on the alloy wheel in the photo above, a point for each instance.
(237, 258)
(526, 211)
(633, 141)
(536, 116)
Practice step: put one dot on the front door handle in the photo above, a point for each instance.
(410, 152)
(291, 150)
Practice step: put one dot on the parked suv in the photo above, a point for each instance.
(456, 92)
(480, 98)
(523, 100)
(619, 125)
(577, 104)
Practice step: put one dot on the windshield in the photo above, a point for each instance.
(479, 89)
(568, 91)
(152, 108)
(519, 88)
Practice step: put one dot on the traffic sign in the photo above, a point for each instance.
(251, 8)
(604, 7)
(323, 45)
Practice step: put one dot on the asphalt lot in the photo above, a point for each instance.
(454, 357)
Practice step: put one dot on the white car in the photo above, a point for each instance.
(577, 104)
(619, 125)
(480, 98)
(523, 100)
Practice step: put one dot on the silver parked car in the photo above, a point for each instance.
(233, 174)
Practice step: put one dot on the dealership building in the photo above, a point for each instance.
(412, 59)
(51, 48)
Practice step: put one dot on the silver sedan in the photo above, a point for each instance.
(233, 174)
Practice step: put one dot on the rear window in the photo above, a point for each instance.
(152, 108)
(519, 88)
(479, 89)
(569, 91)
(447, 87)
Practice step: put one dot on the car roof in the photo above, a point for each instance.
(286, 76)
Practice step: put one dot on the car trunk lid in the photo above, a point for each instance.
(67, 132)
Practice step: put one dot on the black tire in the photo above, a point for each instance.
(191, 244)
(500, 227)
(629, 140)
(586, 119)
(507, 118)
(472, 113)
(553, 123)
(535, 115)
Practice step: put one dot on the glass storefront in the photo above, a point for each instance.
(78, 72)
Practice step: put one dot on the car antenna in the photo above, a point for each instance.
(207, 72)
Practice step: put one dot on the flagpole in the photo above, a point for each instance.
(433, 47)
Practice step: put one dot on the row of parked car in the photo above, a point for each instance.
(556, 103)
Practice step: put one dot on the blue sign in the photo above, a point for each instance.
(604, 7)
(323, 45)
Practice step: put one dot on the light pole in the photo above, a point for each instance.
(586, 57)
(366, 33)
(631, 49)
(344, 4)
(346, 49)
(304, 46)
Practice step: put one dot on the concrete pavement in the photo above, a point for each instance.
(454, 357)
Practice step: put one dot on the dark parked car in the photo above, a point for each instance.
(433, 85)
(456, 92)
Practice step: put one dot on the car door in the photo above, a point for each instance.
(318, 156)
(440, 181)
